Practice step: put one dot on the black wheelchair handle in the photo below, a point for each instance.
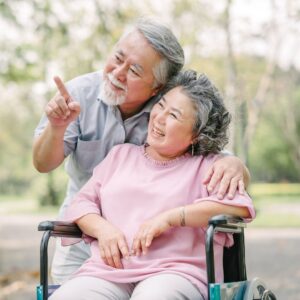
(228, 220)
(60, 228)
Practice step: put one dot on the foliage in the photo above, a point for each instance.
(277, 204)
(42, 38)
(278, 220)
(49, 34)
(260, 190)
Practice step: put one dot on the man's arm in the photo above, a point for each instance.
(48, 148)
(230, 173)
(45, 158)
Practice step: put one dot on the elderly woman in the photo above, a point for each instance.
(143, 210)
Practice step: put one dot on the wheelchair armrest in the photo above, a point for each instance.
(227, 223)
(60, 228)
(55, 229)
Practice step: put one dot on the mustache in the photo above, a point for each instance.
(116, 82)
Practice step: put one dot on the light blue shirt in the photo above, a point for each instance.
(97, 129)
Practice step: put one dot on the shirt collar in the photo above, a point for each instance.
(148, 106)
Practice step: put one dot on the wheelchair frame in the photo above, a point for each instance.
(233, 258)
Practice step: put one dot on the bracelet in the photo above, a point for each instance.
(182, 216)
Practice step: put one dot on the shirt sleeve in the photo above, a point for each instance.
(88, 199)
(238, 201)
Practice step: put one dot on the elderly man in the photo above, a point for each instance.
(96, 111)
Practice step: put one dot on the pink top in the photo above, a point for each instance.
(128, 187)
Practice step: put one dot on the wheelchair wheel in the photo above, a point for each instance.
(257, 290)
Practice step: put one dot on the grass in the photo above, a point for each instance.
(276, 220)
(277, 205)
(12, 204)
(283, 211)
(275, 189)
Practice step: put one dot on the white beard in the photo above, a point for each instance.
(109, 96)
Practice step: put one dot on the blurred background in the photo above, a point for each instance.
(249, 48)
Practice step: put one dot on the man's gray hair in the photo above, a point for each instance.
(164, 42)
(211, 116)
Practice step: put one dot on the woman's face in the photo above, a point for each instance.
(170, 126)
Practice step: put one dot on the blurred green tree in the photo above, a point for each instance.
(42, 38)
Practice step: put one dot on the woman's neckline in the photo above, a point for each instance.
(162, 163)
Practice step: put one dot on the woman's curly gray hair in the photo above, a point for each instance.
(211, 117)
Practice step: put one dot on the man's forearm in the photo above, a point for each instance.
(48, 149)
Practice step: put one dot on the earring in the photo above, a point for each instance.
(192, 149)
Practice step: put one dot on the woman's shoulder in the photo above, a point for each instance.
(124, 149)
(210, 158)
(117, 155)
(206, 159)
(203, 162)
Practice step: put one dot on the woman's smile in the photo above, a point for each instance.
(157, 132)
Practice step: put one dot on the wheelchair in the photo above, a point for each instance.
(235, 285)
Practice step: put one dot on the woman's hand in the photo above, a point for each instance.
(112, 245)
(148, 231)
(230, 174)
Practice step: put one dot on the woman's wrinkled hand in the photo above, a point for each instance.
(148, 231)
(112, 245)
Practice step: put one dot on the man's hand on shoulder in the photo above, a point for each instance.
(230, 175)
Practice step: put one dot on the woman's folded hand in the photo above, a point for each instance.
(112, 245)
(148, 231)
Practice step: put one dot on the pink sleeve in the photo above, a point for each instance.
(87, 200)
(238, 200)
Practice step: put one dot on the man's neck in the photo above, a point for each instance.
(129, 111)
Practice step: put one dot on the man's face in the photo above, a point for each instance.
(128, 74)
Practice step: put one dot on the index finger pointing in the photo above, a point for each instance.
(62, 89)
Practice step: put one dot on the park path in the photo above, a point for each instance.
(271, 254)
